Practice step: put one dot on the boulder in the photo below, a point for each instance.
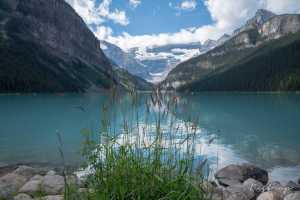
(53, 184)
(293, 186)
(218, 194)
(279, 189)
(293, 196)
(253, 185)
(26, 171)
(55, 197)
(31, 187)
(37, 178)
(51, 172)
(237, 174)
(23, 197)
(239, 192)
(10, 184)
(271, 195)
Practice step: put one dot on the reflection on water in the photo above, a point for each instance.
(233, 128)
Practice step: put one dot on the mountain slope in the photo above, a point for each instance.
(124, 60)
(46, 47)
(262, 58)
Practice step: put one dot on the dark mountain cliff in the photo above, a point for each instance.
(46, 47)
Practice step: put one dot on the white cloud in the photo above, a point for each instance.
(94, 14)
(103, 32)
(134, 3)
(227, 16)
(117, 16)
(282, 6)
(87, 10)
(188, 5)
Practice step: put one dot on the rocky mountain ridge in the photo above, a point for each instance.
(153, 64)
(277, 33)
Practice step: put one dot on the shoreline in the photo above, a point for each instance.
(233, 182)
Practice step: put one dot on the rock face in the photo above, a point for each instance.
(46, 47)
(257, 21)
(262, 56)
(125, 60)
(279, 26)
(237, 174)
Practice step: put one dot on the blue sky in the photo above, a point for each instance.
(157, 16)
(147, 23)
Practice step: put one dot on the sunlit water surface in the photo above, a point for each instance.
(263, 129)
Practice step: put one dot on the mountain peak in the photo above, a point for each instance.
(261, 16)
(264, 12)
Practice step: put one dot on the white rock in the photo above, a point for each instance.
(53, 184)
(51, 172)
(293, 196)
(10, 184)
(23, 197)
(271, 195)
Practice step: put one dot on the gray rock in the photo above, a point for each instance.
(31, 187)
(293, 196)
(51, 172)
(218, 194)
(279, 189)
(53, 184)
(271, 195)
(280, 26)
(239, 192)
(299, 181)
(10, 184)
(55, 197)
(26, 171)
(253, 185)
(293, 186)
(237, 174)
(37, 178)
(23, 197)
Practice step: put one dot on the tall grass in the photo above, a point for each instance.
(151, 158)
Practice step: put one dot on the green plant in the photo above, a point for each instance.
(144, 162)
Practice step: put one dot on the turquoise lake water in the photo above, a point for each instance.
(263, 129)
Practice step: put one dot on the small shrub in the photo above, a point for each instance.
(141, 166)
